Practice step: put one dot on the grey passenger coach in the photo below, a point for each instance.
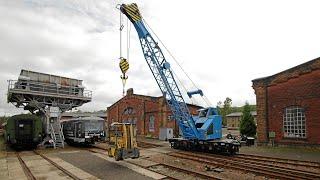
(84, 130)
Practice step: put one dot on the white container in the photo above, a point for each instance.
(165, 133)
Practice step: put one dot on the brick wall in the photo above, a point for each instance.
(233, 122)
(262, 121)
(143, 108)
(297, 86)
(302, 91)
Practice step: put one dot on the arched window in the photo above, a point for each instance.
(294, 122)
(129, 110)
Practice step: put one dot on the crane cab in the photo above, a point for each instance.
(209, 124)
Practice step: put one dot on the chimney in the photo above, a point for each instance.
(130, 91)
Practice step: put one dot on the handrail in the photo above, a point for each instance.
(33, 86)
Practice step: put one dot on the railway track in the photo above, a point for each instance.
(279, 160)
(180, 170)
(25, 168)
(146, 145)
(168, 166)
(302, 166)
(299, 168)
(256, 168)
(259, 165)
(30, 175)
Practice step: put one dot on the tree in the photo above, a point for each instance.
(247, 124)
(3, 119)
(224, 109)
(219, 107)
(240, 109)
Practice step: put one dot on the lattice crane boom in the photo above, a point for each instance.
(162, 73)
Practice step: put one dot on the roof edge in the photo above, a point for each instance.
(302, 68)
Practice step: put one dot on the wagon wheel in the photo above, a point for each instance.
(118, 154)
(109, 152)
(136, 153)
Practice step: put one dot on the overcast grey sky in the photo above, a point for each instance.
(222, 45)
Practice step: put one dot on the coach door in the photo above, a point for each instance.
(24, 130)
(78, 129)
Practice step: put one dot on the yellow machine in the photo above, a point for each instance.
(123, 141)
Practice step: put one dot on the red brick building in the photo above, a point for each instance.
(288, 105)
(147, 112)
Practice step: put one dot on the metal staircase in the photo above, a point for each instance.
(57, 135)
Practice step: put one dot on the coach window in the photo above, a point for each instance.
(294, 122)
(151, 123)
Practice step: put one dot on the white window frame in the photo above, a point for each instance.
(294, 122)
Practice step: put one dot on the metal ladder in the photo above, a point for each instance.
(57, 135)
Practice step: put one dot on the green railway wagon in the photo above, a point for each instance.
(23, 130)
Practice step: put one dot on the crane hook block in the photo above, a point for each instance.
(124, 65)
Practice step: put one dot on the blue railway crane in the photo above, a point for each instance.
(199, 132)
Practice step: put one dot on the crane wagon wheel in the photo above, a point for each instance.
(118, 154)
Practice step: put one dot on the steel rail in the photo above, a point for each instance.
(279, 160)
(25, 168)
(192, 173)
(186, 171)
(58, 166)
(265, 161)
(248, 167)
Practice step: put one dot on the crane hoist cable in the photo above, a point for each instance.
(206, 100)
(128, 38)
(123, 64)
(120, 30)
